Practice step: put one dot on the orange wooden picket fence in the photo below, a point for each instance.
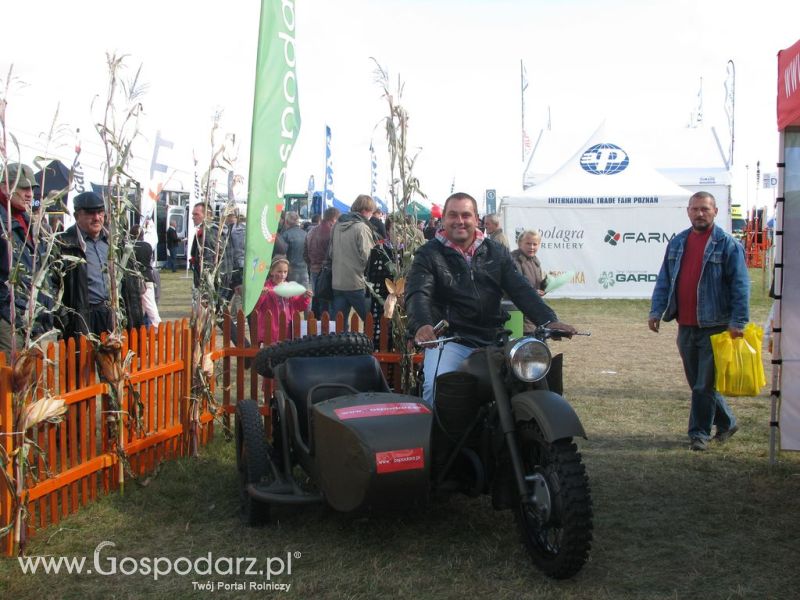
(78, 461)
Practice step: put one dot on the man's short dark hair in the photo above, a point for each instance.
(461, 196)
(331, 213)
(701, 195)
(200, 204)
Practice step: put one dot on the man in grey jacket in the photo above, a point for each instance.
(351, 242)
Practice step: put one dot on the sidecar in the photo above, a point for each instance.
(339, 436)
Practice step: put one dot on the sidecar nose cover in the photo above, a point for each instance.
(372, 450)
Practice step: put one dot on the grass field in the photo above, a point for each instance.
(669, 523)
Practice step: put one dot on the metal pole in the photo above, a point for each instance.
(730, 106)
(774, 423)
(522, 108)
(747, 189)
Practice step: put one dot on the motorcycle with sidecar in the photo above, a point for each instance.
(341, 436)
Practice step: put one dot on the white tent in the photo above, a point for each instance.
(607, 215)
(785, 415)
(692, 157)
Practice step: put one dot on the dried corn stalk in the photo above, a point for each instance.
(403, 185)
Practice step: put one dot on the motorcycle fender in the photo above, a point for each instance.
(554, 415)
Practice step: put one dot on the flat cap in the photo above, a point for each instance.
(88, 201)
(25, 174)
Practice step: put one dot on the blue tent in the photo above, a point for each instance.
(345, 208)
(381, 204)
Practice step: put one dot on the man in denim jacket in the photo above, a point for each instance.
(703, 283)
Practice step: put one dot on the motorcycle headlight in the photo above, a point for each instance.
(529, 359)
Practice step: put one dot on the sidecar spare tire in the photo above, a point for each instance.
(335, 344)
(252, 460)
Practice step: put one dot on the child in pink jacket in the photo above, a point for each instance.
(270, 301)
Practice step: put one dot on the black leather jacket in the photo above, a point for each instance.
(73, 280)
(442, 286)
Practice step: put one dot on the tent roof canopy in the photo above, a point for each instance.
(606, 166)
(788, 86)
(686, 155)
(53, 177)
(419, 210)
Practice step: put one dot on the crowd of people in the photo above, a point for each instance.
(460, 271)
(357, 246)
(79, 274)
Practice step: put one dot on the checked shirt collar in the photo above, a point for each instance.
(470, 251)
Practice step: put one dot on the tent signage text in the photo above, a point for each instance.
(603, 201)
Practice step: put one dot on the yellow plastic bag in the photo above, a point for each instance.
(740, 371)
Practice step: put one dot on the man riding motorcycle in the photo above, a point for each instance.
(492, 430)
(460, 276)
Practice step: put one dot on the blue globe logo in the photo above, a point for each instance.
(604, 159)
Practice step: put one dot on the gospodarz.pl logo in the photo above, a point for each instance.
(240, 573)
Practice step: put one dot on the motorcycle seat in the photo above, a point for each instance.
(300, 376)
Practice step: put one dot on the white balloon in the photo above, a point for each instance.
(289, 289)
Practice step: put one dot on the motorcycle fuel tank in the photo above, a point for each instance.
(372, 450)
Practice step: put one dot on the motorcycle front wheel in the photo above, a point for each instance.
(558, 531)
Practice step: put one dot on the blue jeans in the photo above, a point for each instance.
(344, 300)
(439, 361)
(708, 406)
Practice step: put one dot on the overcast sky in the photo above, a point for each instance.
(638, 63)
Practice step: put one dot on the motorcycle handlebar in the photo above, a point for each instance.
(548, 333)
(543, 333)
(437, 341)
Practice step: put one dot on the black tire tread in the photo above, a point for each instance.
(251, 437)
(577, 514)
(334, 344)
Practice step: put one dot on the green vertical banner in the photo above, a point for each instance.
(276, 125)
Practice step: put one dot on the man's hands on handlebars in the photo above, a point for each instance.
(568, 330)
(425, 334)
(429, 334)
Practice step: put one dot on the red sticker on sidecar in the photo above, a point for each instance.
(389, 409)
(400, 460)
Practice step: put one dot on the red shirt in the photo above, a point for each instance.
(689, 276)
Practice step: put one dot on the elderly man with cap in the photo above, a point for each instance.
(85, 283)
(18, 244)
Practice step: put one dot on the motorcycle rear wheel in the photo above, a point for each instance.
(252, 456)
(560, 545)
